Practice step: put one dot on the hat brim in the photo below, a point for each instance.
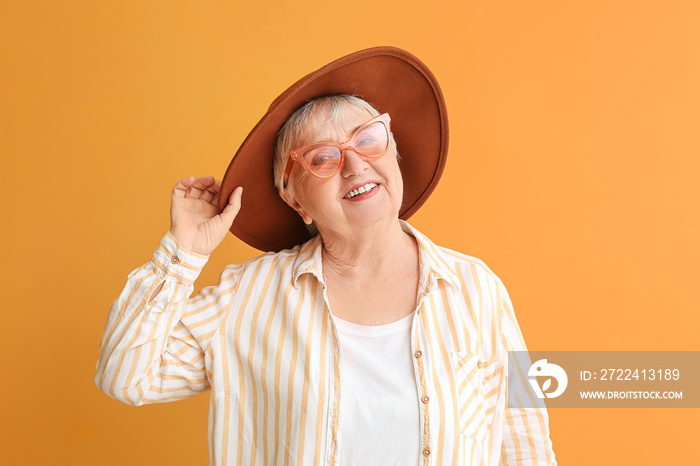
(394, 82)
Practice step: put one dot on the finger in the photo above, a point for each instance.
(228, 215)
(211, 194)
(193, 187)
(207, 196)
(216, 189)
(180, 189)
(200, 186)
(203, 182)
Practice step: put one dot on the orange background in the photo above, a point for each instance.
(574, 172)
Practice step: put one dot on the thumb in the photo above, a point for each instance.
(228, 215)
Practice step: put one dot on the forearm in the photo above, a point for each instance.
(134, 363)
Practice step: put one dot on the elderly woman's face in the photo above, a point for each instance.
(329, 202)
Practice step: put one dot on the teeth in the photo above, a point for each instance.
(360, 190)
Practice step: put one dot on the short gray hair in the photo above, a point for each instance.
(293, 128)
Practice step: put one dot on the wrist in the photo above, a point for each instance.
(187, 245)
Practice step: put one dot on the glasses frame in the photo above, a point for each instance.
(295, 155)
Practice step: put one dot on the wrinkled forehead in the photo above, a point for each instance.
(324, 124)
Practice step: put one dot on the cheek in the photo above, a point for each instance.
(298, 184)
(397, 178)
(310, 192)
(392, 169)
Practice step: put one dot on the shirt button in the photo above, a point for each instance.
(426, 452)
(419, 354)
(479, 364)
(425, 399)
(175, 260)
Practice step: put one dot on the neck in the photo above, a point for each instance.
(373, 251)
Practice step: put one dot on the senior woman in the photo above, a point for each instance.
(355, 340)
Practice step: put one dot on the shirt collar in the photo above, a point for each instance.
(433, 261)
(308, 260)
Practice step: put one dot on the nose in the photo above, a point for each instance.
(353, 164)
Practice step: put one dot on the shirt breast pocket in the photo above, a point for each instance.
(478, 387)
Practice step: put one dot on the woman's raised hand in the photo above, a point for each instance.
(195, 221)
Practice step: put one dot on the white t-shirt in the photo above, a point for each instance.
(379, 402)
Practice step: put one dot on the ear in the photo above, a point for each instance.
(292, 202)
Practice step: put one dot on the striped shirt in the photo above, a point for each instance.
(264, 341)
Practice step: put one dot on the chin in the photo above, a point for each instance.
(373, 216)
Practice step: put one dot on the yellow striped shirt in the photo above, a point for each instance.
(264, 341)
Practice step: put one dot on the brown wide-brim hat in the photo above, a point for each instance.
(394, 82)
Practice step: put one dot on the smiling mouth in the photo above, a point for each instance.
(361, 190)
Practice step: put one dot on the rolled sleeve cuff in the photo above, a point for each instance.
(178, 262)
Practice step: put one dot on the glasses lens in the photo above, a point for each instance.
(372, 140)
(322, 160)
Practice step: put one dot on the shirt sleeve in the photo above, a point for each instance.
(153, 347)
(526, 430)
